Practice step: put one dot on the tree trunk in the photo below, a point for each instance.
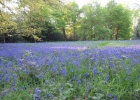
(94, 36)
(137, 34)
(111, 36)
(64, 33)
(74, 37)
(91, 32)
(3, 38)
(116, 37)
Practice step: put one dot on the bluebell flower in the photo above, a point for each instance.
(72, 70)
(0, 79)
(110, 95)
(54, 70)
(14, 88)
(37, 94)
(86, 75)
(101, 73)
(53, 80)
(48, 96)
(79, 81)
(9, 64)
(127, 78)
(75, 77)
(106, 79)
(115, 98)
(128, 71)
(23, 88)
(89, 88)
(27, 71)
(100, 91)
(61, 87)
(95, 72)
(85, 81)
(76, 63)
(64, 72)
(6, 78)
(47, 81)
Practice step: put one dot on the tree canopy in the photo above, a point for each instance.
(56, 20)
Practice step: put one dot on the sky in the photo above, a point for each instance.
(130, 3)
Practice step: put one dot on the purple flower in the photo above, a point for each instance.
(100, 91)
(48, 96)
(64, 72)
(37, 90)
(78, 81)
(110, 95)
(27, 71)
(37, 94)
(89, 88)
(129, 71)
(115, 98)
(61, 87)
(106, 79)
(75, 77)
(13, 88)
(95, 72)
(47, 81)
(86, 75)
(6, 78)
(127, 78)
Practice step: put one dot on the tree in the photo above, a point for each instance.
(118, 21)
(37, 16)
(93, 26)
(137, 32)
(73, 14)
(51, 20)
(136, 22)
(101, 31)
(7, 24)
(87, 22)
(60, 17)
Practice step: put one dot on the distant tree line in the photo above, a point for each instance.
(56, 20)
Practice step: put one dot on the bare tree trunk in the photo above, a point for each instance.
(116, 37)
(74, 35)
(91, 32)
(64, 33)
(3, 38)
(137, 34)
(117, 32)
(94, 36)
(74, 32)
(111, 36)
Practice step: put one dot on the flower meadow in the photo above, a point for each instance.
(105, 70)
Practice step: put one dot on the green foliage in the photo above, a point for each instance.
(7, 26)
(67, 21)
(137, 32)
(118, 20)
